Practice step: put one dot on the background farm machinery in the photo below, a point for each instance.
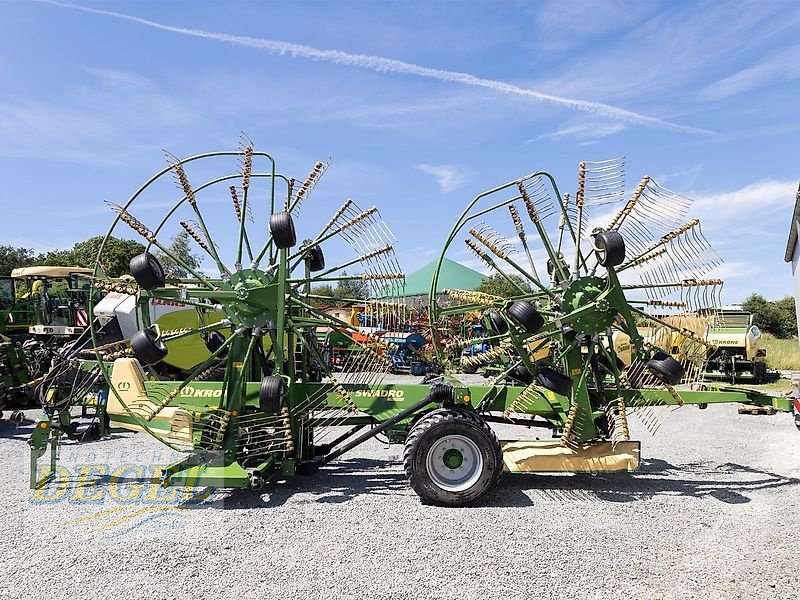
(260, 399)
(736, 356)
(42, 310)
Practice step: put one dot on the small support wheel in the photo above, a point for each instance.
(760, 372)
(281, 226)
(521, 375)
(147, 347)
(498, 323)
(213, 341)
(270, 397)
(666, 368)
(452, 458)
(526, 316)
(610, 248)
(147, 271)
(316, 259)
(555, 381)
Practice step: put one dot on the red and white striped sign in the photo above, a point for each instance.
(81, 317)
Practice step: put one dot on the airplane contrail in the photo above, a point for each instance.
(388, 65)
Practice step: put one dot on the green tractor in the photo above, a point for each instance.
(253, 408)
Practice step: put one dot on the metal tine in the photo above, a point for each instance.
(490, 235)
(539, 195)
(191, 228)
(237, 207)
(602, 182)
(305, 189)
(652, 212)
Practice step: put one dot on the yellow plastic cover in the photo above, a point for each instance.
(546, 456)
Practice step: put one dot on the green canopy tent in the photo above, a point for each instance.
(453, 275)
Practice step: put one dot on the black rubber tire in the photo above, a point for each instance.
(147, 271)
(610, 248)
(526, 316)
(213, 341)
(555, 381)
(521, 375)
(551, 269)
(469, 369)
(498, 323)
(666, 368)
(760, 372)
(281, 227)
(147, 348)
(430, 429)
(270, 396)
(316, 259)
(605, 365)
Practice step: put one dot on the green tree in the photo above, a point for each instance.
(12, 258)
(353, 289)
(788, 316)
(322, 290)
(179, 248)
(497, 285)
(776, 317)
(117, 253)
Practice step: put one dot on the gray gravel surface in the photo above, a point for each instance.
(713, 513)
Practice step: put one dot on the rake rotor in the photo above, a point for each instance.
(574, 324)
(259, 319)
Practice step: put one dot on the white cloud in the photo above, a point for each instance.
(752, 197)
(449, 177)
(118, 79)
(738, 269)
(98, 125)
(387, 65)
(562, 25)
(586, 131)
(782, 65)
(686, 177)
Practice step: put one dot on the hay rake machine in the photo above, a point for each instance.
(265, 404)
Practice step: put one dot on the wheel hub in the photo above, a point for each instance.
(454, 463)
(256, 298)
(453, 458)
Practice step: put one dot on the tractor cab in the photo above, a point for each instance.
(16, 314)
(52, 300)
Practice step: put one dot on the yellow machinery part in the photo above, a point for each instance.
(545, 456)
(128, 380)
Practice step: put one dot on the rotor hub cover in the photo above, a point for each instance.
(585, 294)
(256, 298)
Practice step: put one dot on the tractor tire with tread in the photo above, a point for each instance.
(435, 430)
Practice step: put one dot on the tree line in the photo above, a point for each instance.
(777, 317)
(116, 256)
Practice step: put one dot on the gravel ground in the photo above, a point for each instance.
(713, 513)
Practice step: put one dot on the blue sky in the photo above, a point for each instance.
(419, 106)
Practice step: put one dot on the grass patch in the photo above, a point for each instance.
(781, 354)
(779, 385)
